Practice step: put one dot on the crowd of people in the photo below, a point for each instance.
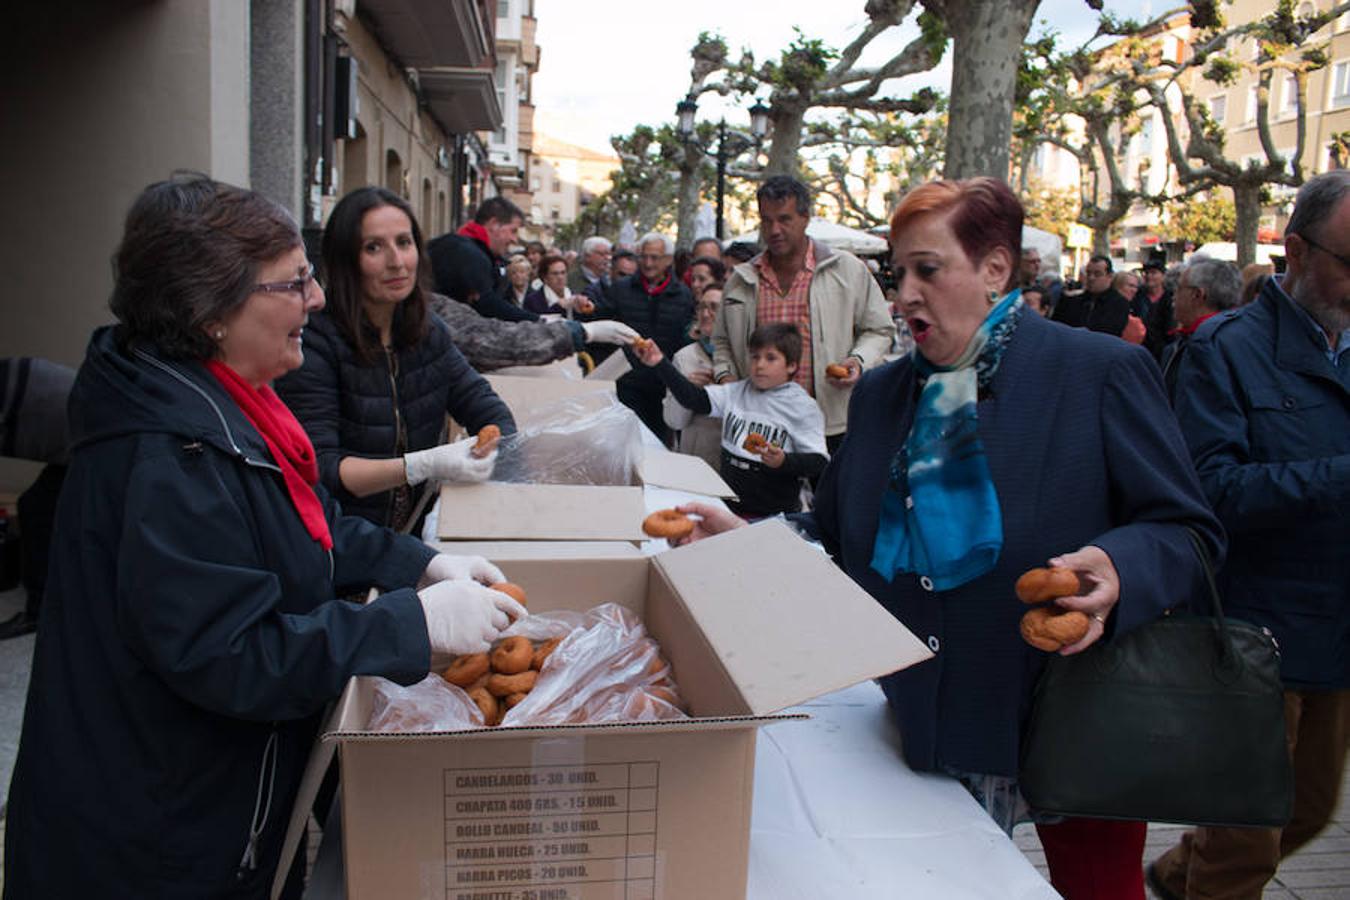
(251, 444)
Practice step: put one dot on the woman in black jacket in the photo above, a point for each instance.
(191, 632)
(381, 372)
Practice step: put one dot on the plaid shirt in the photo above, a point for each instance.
(793, 305)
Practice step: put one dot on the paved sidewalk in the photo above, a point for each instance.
(1320, 871)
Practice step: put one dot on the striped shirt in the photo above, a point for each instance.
(773, 304)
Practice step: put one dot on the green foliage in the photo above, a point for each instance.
(1339, 147)
(1222, 70)
(1201, 220)
(1050, 209)
(802, 65)
(935, 36)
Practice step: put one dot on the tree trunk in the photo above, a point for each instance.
(690, 185)
(1101, 241)
(787, 139)
(1247, 200)
(987, 37)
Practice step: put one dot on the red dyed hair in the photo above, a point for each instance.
(986, 215)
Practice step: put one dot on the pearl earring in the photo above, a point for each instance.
(219, 334)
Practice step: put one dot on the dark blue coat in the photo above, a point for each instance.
(352, 408)
(189, 639)
(1267, 419)
(1083, 449)
(663, 318)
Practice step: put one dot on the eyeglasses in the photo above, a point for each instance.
(299, 285)
(1343, 260)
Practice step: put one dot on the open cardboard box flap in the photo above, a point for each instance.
(681, 472)
(763, 597)
(497, 511)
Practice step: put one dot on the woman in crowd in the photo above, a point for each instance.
(518, 275)
(553, 295)
(699, 435)
(704, 271)
(976, 458)
(191, 634)
(382, 370)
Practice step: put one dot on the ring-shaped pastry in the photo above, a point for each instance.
(512, 655)
(504, 685)
(1039, 585)
(668, 523)
(1049, 628)
(465, 669)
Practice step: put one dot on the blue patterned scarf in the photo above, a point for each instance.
(940, 516)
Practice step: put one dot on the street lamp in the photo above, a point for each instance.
(730, 143)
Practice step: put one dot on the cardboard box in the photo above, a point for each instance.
(752, 621)
(500, 511)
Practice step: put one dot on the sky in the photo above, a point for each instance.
(607, 66)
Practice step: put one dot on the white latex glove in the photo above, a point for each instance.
(608, 331)
(447, 567)
(448, 462)
(465, 616)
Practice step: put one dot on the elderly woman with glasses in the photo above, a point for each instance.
(698, 435)
(976, 458)
(193, 629)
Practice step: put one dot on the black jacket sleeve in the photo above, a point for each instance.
(688, 394)
(808, 464)
(200, 611)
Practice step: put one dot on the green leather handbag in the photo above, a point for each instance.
(1180, 720)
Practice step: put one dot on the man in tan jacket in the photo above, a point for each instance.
(828, 294)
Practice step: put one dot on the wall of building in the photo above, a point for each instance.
(99, 102)
(398, 144)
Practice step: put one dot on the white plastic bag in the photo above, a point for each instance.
(606, 669)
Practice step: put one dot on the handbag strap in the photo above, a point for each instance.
(1228, 653)
(1208, 568)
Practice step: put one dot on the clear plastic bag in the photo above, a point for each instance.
(606, 669)
(589, 439)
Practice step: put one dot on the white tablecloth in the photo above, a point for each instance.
(838, 814)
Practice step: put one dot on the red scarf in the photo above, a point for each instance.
(288, 443)
(477, 232)
(1182, 329)
(653, 291)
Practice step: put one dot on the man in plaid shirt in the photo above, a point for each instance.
(828, 294)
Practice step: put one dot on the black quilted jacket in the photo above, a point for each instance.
(352, 409)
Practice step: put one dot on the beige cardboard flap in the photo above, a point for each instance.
(785, 622)
(495, 511)
(681, 472)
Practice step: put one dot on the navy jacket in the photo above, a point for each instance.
(464, 269)
(189, 639)
(1082, 449)
(1107, 312)
(350, 408)
(665, 319)
(1267, 418)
